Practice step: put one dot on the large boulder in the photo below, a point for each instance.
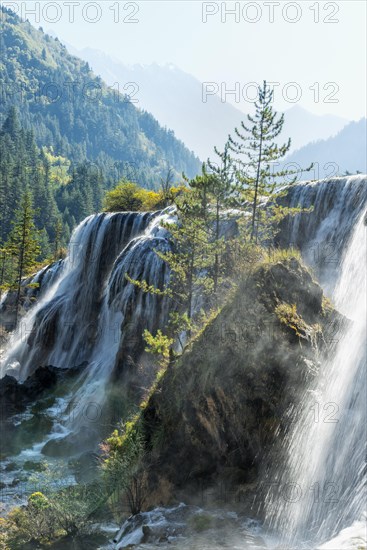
(218, 413)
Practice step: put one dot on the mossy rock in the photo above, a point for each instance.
(222, 407)
(201, 522)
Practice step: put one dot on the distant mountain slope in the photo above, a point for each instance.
(175, 99)
(346, 152)
(303, 126)
(71, 109)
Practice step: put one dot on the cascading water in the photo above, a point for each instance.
(88, 312)
(322, 484)
(85, 315)
(322, 234)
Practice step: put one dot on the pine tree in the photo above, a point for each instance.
(166, 184)
(221, 189)
(58, 239)
(189, 262)
(258, 144)
(12, 168)
(5, 265)
(191, 258)
(11, 125)
(23, 245)
(23, 166)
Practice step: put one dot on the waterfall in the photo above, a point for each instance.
(86, 312)
(322, 234)
(320, 490)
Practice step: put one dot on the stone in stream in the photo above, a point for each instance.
(71, 445)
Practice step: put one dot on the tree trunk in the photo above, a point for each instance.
(216, 261)
(253, 233)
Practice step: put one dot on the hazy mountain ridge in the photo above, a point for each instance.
(175, 99)
(345, 152)
(70, 108)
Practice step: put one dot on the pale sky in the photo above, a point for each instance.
(317, 45)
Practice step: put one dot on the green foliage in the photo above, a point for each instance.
(273, 255)
(189, 261)
(124, 453)
(73, 506)
(24, 168)
(4, 534)
(79, 116)
(166, 185)
(192, 250)
(56, 168)
(23, 246)
(201, 261)
(82, 195)
(159, 344)
(257, 154)
(214, 192)
(33, 522)
(287, 314)
(38, 501)
(60, 510)
(52, 514)
(128, 196)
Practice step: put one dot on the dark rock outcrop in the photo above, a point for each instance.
(218, 413)
(24, 420)
(15, 397)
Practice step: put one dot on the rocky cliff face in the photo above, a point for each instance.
(219, 411)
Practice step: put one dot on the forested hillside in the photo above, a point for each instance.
(72, 110)
(62, 193)
(66, 138)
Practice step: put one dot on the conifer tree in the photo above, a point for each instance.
(11, 125)
(4, 268)
(189, 262)
(166, 184)
(23, 245)
(58, 239)
(258, 145)
(191, 258)
(221, 189)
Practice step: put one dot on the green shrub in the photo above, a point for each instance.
(124, 453)
(34, 521)
(44, 519)
(128, 196)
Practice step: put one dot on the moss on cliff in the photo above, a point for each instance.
(221, 407)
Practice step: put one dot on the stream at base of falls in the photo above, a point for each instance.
(194, 528)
